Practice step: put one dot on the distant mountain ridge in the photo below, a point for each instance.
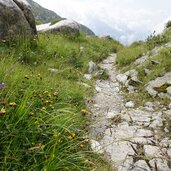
(43, 15)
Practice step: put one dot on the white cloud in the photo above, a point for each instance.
(126, 20)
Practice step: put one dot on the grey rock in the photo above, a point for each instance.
(151, 91)
(66, 27)
(164, 95)
(53, 70)
(98, 89)
(161, 164)
(169, 152)
(95, 145)
(158, 122)
(149, 104)
(141, 60)
(26, 8)
(166, 142)
(147, 71)
(92, 67)
(166, 130)
(155, 62)
(111, 115)
(131, 73)
(126, 164)
(169, 106)
(119, 152)
(141, 165)
(16, 19)
(122, 78)
(87, 76)
(131, 89)
(153, 151)
(169, 90)
(154, 87)
(130, 104)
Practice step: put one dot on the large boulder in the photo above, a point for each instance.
(16, 19)
(67, 27)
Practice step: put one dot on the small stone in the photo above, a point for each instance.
(149, 104)
(131, 89)
(122, 78)
(147, 71)
(111, 115)
(130, 104)
(92, 67)
(169, 90)
(155, 62)
(169, 152)
(164, 95)
(96, 147)
(87, 76)
(158, 122)
(170, 106)
(53, 70)
(98, 89)
(166, 130)
(141, 165)
(151, 91)
(165, 143)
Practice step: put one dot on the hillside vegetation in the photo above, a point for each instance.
(42, 107)
(156, 50)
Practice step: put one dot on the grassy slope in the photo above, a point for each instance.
(41, 126)
(128, 55)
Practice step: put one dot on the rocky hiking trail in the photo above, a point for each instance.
(131, 139)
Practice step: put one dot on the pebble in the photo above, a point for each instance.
(130, 104)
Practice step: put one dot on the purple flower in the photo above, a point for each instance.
(2, 85)
(77, 130)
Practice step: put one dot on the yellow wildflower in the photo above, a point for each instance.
(73, 134)
(81, 145)
(26, 77)
(12, 104)
(55, 93)
(84, 111)
(2, 112)
(70, 137)
(43, 108)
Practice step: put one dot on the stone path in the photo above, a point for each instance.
(131, 139)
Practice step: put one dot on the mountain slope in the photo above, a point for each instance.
(41, 14)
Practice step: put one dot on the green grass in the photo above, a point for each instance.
(41, 126)
(129, 54)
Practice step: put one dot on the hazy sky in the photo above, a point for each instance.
(125, 20)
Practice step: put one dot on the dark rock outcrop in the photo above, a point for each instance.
(16, 19)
